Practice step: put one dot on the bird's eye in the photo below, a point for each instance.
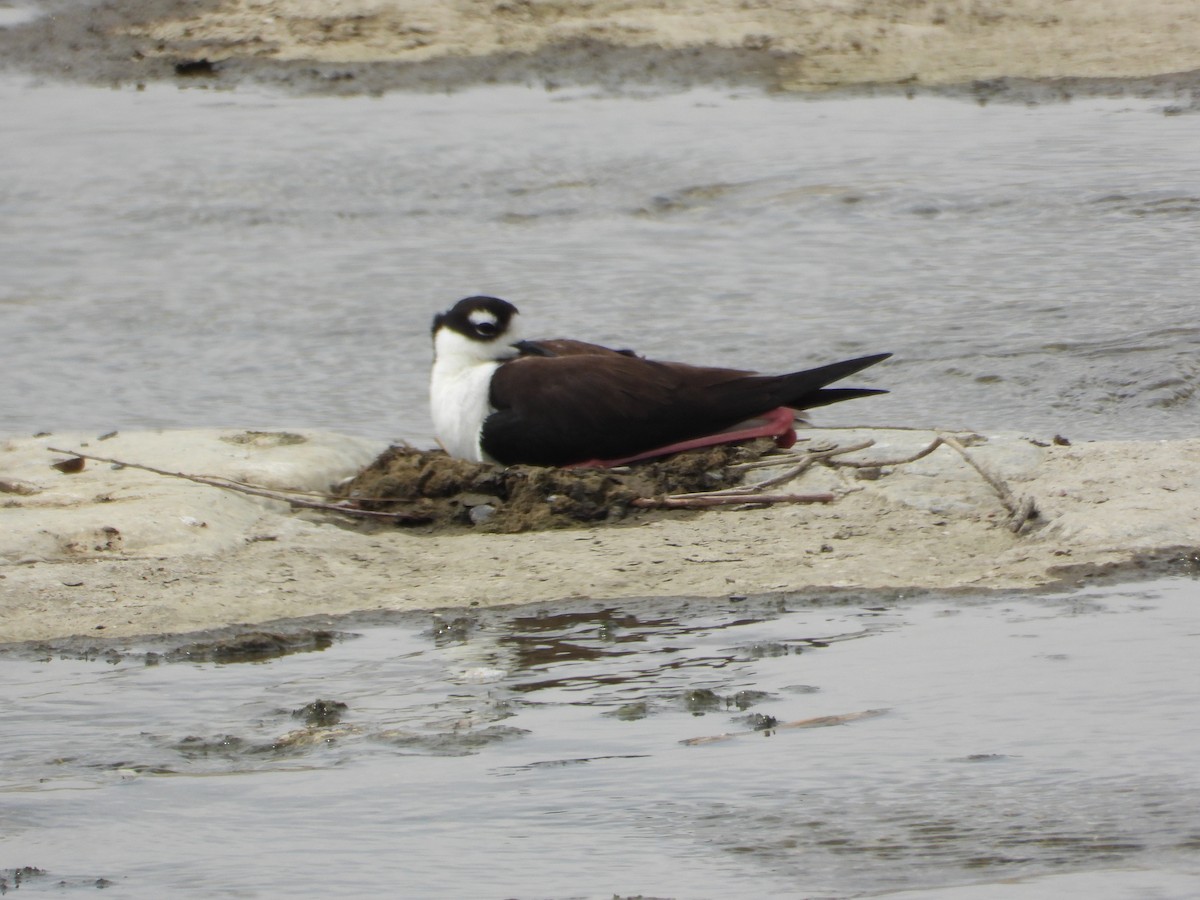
(486, 329)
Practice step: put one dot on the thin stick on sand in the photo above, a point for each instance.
(806, 460)
(1021, 510)
(229, 484)
(703, 501)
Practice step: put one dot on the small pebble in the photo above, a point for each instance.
(480, 514)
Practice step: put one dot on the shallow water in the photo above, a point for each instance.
(185, 258)
(1030, 747)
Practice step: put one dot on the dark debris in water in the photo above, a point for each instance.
(194, 746)
(457, 630)
(321, 713)
(455, 743)
(702, 700)
(630, 712)
(254, 646)
(743, 700)
(11, 879)
(758, 722)
(321, 727)
(769, 648)
(574, 761)
(434, 489)
(233, 644)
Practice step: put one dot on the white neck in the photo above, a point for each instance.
(459, 389)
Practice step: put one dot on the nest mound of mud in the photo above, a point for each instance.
(431, 488)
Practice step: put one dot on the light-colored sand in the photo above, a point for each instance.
(805, 44)
(121, 552)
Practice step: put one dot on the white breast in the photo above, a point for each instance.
(460, 387)
(458, 399)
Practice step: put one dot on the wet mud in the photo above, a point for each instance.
(321, 725)
(434, 490)
(160, 40)
(91, 45)
(223, 646)
(254, 646)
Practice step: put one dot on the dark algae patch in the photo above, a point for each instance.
(254, 646)
(235, 644)
(11, 879)
(434, 489)
(321, 713)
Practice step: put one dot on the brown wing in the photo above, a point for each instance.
(567, 347)
(560, 410)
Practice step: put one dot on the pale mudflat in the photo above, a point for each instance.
(121, 551)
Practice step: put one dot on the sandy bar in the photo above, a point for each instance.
(114, 552)
(1027, 47)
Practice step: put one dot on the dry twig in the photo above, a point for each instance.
(816, 722)
(806, 460)
(703, 501)
(1021, 511)
(880, 463)
(229, 484)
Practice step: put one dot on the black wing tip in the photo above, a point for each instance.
(832, 372)
(871, 360)
(809, 388)
(857, 364)
(849, 393)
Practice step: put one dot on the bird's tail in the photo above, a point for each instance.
(807, 389)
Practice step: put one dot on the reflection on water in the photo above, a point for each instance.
(551, 753)
(188, 258)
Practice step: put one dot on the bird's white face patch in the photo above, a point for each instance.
(452, 350)
(483, 321)
(462, 374)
